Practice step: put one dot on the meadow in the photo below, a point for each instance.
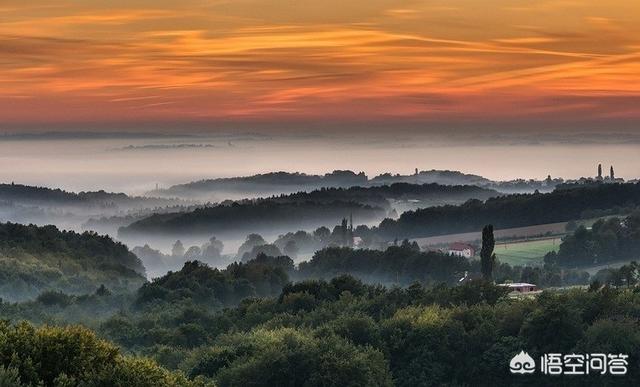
(526, 252)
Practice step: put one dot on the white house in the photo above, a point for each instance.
(461, 250)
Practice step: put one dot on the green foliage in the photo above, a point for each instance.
(10, 377)
(401, 265)
(607, 240)
(338, 332)
(95, 249)
(626, 275)
(487, 257)
(555, 327)
(290, 357)
(54, 298)
(199, 283)
(72, 356)
(35, 259)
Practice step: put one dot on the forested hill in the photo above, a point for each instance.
(50, 197)
(511, 211)
(286, 182)
(269, 183)
(261, 216)
(380, 195)
(35, 259)
(302, 210)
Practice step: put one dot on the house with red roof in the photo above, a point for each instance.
(461, 250)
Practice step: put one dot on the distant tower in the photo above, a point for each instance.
(599, 171)
(344, 230)
(416, 171)
(612, 175)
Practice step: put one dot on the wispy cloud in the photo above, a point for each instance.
(259, 60)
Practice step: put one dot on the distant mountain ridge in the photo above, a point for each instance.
(290, 182)
(26, 204)
(34, 195)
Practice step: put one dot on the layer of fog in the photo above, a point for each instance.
(137, 164)
(106, 163)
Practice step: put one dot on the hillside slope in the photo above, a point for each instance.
(36, 259)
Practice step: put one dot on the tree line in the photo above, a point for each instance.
(608, 240)
(509, 211)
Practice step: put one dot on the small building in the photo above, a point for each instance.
(461, 250)
(521, 287)
(357, 241)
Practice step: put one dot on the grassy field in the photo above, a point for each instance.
(526, 252)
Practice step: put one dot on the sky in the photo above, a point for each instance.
(401, 61)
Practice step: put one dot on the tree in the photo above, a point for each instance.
(267, 249)
(552, 319)
(290, 357)
(322, 234)
(212, 251)
(487, 257)
(10, 377)
(102, 291)
(291, 249)
(178, 249)
(73, 356)
(252, 241)
(194, 253)
(599, 171)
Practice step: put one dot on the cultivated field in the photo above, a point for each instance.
(507, 233)
(527, 252)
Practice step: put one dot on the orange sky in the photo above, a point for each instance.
(271, 60)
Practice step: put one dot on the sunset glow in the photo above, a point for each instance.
(139, 60)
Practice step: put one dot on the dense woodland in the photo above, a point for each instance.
(380, 196)
(35, 259)
(395, 316)
(510, 211)
(608, 240)
(302, 209)
(327, 322)
(223, 220)
(329, 333)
